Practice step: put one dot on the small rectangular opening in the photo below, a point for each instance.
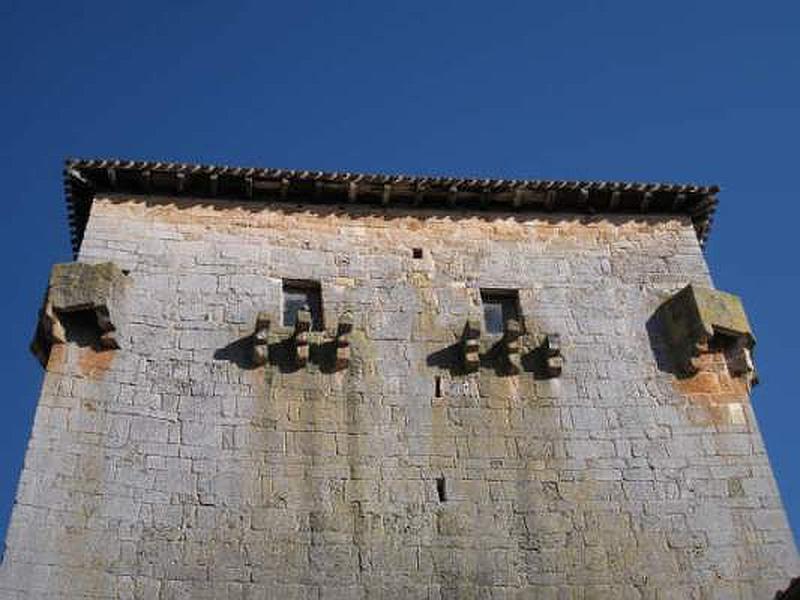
(498, 307)
(437, 387)
(299, 295)
(416, 252)
(81, 327)
(441, 489)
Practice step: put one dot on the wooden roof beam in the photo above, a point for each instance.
(213, 184)
(452, 196)
(550, 199)
(647, 199)
(519, 196)
(583, 199)
(147, 181)
(419, 194)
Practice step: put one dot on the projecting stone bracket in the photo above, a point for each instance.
(699, 321)
(343, 330)
(299, 344)
(83, 303)
(260, 354)
(302, 326)
(513, 352)
(471, 345)
(512, 344)
(551, 350)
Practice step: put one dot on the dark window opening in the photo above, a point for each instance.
(416, 252)
(498, 307)
(441, 489)
(81, 327)
(721, 341)
(300, 295)
(437, 384)
(732, 350)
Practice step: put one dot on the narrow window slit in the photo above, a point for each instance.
(416, 252)
(441, 489)
(437, 384)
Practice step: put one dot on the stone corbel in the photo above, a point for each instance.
(699, 321)
(513, 344)
(470, 345)
(80, 287)
(302, 326)
(49, 331)
(553, 361)
(333, 350)
(261, 339)
(108, 338)
(343, 330)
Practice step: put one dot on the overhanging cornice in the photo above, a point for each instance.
(83, 179)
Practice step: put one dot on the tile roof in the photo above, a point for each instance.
(84, 178)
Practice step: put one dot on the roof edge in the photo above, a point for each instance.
(83, 178)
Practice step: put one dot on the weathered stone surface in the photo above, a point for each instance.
(697, 319)
(180, 469)
(73, 289)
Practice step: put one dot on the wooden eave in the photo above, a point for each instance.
(83, 179)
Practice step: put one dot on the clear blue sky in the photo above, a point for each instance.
(703, 92)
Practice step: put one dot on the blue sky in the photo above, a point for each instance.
(673, 91)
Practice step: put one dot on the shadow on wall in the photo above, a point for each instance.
(792, 592)
(281, 354)
(238, 352)
(81, 328)
(495, 358)
(656, 334)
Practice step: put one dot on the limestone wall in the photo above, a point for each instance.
(174, 468)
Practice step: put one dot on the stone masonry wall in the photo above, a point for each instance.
(173, 468)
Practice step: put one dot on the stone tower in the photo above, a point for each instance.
(264, 383)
